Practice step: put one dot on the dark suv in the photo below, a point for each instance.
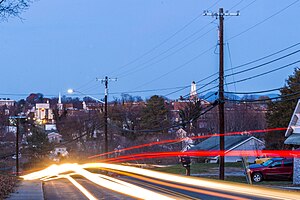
(275, 168)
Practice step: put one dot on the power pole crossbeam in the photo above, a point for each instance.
(221, 15)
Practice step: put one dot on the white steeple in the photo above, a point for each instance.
(59, 98)
(193, 93)
(59, 104)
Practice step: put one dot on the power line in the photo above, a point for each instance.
(261, 22)
(264, 57)
(239, 66)
(260, 100)
(254, 92)
(164, 41)
(165, 128)
(177, 68)
(129, 72)
(261, 65)
(231, 65)
(258, 75)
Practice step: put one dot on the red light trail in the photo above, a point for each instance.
(193, 138)
(201, 153)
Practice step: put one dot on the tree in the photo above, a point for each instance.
(156, 114)
(12, 8)
(126, 114)
(38, 143)
(35, 98)
(280, 112)
(190, 114)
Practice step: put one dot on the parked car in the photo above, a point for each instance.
(274, 168)
(263, 158)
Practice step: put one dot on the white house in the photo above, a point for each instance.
(293, 138)
(232, 143)
(54, 137)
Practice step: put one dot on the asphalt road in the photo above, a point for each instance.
(64, 189)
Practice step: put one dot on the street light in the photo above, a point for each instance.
(72, 91)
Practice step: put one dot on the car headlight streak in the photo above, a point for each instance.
(61, 171)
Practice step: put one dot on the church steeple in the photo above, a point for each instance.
(59, 98)
(193, 93)
(59, 104)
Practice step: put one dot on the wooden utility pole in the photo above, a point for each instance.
(17, 146)
(105, 115)
(105, 81)
(16, 122)
(221, 15)
(221, 96)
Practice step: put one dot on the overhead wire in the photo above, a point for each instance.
(129, 72)
(212, 105)
(264, 73)
(243, 65)
(264, 20)
(231, 65)
(261, 65)
(178, 67)
(164, 41)
(260, 100)
(264, 57)
(246, 31)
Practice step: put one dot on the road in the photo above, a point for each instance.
(115, 181)
(64, 189)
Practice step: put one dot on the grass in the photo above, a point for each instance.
(197, 168)
(213, 169)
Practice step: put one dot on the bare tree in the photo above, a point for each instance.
(12, 8)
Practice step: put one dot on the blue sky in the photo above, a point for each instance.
(68, 44)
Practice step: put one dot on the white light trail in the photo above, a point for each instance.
(120, 186)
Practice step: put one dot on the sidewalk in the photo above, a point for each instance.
(28, 190)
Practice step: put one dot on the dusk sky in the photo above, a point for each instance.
(159, 45)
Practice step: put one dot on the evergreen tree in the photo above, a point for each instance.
(280, 112)
(156, 114)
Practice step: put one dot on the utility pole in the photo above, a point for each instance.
(221, 15)
(16, 122)
(105, 81)
(17, 147)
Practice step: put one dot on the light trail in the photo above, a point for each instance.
(196, 182)
(81, 188)
(128, 189)
(180, 186)
(192, 138)
(203, 153)
(170, 180)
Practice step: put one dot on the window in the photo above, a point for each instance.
(288, 163)
(276, 164)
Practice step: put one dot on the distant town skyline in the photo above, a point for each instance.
(151, 47)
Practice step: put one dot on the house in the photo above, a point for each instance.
(43, 113)
(54, 137)
(293, 131)
(59, 153)
(232, 143)
(7, 102)
(293, 138)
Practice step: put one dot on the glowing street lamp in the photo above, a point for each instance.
(72, 91)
